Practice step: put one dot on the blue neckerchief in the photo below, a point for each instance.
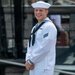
(33, 34)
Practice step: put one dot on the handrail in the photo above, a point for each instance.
(11, 63)
(52, 10)
(64, 72)
(65, 67)
(58, 68)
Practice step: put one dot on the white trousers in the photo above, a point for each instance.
(41, 72)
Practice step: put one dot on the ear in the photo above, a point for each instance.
(47, 11)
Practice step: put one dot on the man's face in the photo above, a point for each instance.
(40, 13)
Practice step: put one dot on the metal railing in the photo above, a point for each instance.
(58, 68)
(5, 2)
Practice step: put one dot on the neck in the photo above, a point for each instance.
(39, 21)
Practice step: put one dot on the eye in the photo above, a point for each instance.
(40, 10)
(36, 10)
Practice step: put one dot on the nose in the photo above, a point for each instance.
(38, 11)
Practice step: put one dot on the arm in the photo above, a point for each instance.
(46, 43)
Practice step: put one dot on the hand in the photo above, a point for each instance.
(29, 66)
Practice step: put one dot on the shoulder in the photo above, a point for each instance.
(49, 26)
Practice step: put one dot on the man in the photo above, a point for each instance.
(56, 19)
(40, 56)
(31, 1)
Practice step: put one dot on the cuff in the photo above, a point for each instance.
(30, 62)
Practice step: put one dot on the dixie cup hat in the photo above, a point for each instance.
(40, 4)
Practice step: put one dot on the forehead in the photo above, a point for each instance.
(40, 9)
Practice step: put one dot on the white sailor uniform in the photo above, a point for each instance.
(43, 52)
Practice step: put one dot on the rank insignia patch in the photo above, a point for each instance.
(45, 35)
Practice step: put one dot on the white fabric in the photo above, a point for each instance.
(40, 4)
(43, 53)
(42, 72)
(57, 18)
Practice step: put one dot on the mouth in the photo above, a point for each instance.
(38, 16)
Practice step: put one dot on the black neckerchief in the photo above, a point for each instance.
(33, 34)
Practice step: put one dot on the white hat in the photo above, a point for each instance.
(40, 4)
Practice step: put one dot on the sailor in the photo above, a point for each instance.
(41, 50)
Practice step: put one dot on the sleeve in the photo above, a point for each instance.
(53, 16)
(49, 35)
(28, 53)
